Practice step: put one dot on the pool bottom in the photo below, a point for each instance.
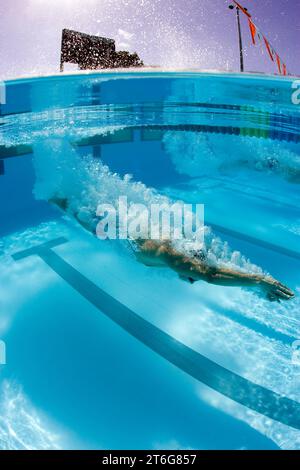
(114, 282)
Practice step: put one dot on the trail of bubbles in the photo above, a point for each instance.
(86, 183)
(198, 154)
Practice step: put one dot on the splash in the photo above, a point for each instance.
(164, 33)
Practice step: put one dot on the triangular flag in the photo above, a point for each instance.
(252, 30)
(278, 62)
(269, 49)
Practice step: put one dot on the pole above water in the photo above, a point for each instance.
(242, 69)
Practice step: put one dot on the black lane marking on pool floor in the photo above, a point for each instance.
(15, 151)
(254, 325)
(255, 241)
(231, 186)
(229, 384)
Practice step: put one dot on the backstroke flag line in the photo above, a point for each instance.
(269, 49)
(256, 33)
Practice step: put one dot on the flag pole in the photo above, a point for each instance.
(240, 36)
(240, 40)
(254, 30)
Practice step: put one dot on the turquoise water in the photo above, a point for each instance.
(104, 352)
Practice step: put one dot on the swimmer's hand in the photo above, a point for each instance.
(275, 290)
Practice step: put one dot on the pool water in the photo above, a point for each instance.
(103, 351)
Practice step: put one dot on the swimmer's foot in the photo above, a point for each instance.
(275, 290)
(190, 280)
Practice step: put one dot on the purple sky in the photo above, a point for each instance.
(171, 33)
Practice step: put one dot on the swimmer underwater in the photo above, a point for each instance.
(161, 253)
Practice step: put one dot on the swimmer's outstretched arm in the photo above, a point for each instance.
(273, 288)
(193, 269)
